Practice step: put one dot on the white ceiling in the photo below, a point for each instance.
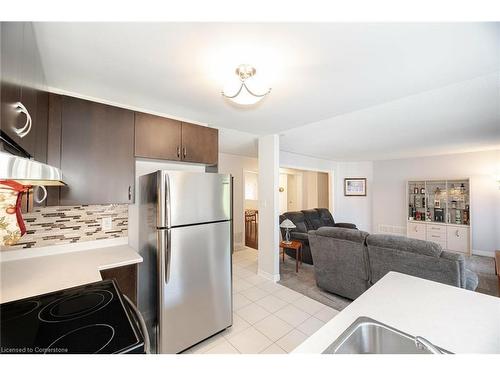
(340, 91)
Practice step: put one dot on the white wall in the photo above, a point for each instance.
(356, 210)
(269, 207)
(389, 186)
(308, 163)
(142, 167)
(236, 165)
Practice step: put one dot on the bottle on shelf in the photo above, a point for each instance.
(465, 215)
(428, 215)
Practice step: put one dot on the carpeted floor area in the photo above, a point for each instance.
(485, 269)
(305, 283)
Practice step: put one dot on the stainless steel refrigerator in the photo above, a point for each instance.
(185, 239)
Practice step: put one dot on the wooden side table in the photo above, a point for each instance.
(294, 245)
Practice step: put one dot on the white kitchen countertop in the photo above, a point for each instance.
(455, 319)
(30, 276)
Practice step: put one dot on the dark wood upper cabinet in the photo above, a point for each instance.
(41, 129)
(22, 82)
(200, 144)
(11, 55)
(97, 153)
(30, 79)
(157, 137)
(163, 138)
(54, 144)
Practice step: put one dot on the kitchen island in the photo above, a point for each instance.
(458, 320)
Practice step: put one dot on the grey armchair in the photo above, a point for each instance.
(340, 260)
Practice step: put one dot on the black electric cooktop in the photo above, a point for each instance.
(92, 318)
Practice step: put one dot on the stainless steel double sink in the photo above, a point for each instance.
(368, 336)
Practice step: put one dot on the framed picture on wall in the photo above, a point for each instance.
(355, 187)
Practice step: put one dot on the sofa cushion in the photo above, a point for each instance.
(299, 236)
(325, 217)
(345, 225)
(298, 219)
(313, 221)
(401, 243)
(347, 234)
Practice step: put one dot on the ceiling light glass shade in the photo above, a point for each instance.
(245, 90)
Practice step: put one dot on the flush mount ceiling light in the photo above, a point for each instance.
(243, 94)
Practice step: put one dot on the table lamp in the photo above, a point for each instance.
(287, 225)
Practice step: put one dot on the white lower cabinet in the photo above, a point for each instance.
(450, 237)
(458, 238)
(436, 233)
(417, 230)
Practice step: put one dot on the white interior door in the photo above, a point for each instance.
(292, 193)
(283, 187)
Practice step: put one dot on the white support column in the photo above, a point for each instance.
(269, 167)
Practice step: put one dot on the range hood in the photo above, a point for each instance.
(28, 172)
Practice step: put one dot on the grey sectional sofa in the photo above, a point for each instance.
(347, 262)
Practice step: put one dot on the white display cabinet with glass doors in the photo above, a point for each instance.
(439, 211)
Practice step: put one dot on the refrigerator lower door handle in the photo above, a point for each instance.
(165, 248)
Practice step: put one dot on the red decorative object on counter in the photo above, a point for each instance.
(12, 226)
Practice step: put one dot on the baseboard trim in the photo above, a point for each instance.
(483, 253)
(268, 276)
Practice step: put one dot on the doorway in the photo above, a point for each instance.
(251, 186)
(301, 190)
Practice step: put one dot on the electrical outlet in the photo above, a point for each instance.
(106, 223)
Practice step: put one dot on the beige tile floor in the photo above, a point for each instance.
(268, 318)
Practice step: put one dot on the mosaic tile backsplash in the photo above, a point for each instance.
(58, 225)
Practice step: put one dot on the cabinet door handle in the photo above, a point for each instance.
(129, 192)
(416, 229)
(184, 152)
(178, 152)
(44, 196)
(23, 132)
(457, 233)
